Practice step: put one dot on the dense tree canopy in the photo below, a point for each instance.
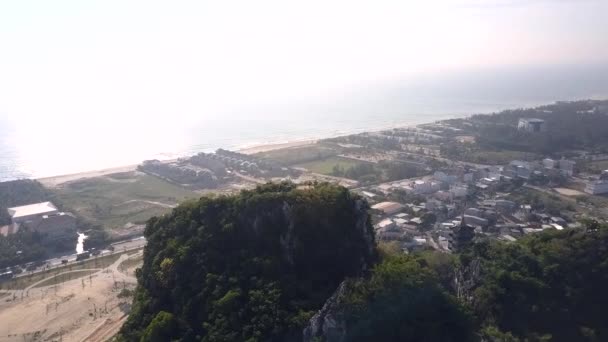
(547, 285)
(257, 266)
(252, 267)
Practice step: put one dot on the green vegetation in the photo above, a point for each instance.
(116, 200)
(596, 166)
(474, 153)
(329, 165)
(547, 287)
(553, 204)
(363, 171)
(569, 126)
(257, 266)
(302, 154)
(402, 300)
(252, 267)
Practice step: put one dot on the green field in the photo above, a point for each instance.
(599, 166)
(298, 155)
(326, 166)
(116, 200)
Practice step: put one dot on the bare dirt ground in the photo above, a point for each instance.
(84, 309)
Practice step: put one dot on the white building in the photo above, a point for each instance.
(531, 125)
(43, 217)
(31, 212)
(597, 187)
(548, 163)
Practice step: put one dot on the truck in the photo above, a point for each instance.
(83, 256)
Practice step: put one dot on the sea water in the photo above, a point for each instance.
(46, 145)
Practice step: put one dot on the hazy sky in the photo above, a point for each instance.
(132, 59)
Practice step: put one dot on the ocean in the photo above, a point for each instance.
(42, 146)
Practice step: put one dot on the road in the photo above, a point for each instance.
(120, 246)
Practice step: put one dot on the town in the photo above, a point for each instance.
(438, 186)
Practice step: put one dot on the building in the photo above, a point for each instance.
(597, 187)
(476, 220)
(459, 191)
(548, 163)
(531, 125)
(31, 212)
(388, 208)
(460, 236)
(43, 217)
(566, 167)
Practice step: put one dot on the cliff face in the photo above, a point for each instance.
(328, 324)
(250, 267)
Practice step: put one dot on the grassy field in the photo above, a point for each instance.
(326, 166)
(501, 157)
(599, 166)
(62, 278)
(25, 281)
(116, 200)
(298, 155)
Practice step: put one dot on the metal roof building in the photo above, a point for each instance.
(28, 212)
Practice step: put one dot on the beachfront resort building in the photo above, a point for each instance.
(42, 217)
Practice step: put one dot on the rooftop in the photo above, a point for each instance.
(388, 207)
(32, 209)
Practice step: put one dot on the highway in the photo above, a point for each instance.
(120, 246)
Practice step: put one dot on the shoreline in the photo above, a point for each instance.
(55, 181)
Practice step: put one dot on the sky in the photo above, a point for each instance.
(88, 61)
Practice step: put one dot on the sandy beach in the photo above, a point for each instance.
(58, 180)
(278, 146)
(55, 181)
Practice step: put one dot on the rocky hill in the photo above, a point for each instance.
(252, 267)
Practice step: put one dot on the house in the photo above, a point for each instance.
(388, 208)
(475, 220)
(558, 220)
(531, 125)
(385, 225)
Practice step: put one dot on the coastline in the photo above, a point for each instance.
(55, 181)
(251, 148)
